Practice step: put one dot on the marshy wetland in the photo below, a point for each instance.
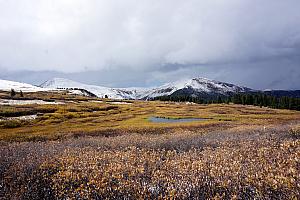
(88, 148)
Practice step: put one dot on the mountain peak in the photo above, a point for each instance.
(197, 87)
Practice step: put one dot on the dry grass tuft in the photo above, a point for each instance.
(295, 132)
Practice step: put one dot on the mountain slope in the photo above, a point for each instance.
(17, 86)
(196, 87)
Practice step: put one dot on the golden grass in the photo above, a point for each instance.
(213, 173)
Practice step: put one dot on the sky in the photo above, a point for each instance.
(123, 43)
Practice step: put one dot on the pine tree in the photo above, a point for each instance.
(244, 99)
(219, 99)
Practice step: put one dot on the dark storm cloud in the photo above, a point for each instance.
(154, 41)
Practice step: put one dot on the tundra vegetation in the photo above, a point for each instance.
(89, 148)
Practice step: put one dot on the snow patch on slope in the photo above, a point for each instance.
(17, 86)
(26, 102)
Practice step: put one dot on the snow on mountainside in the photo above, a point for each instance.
(17, 86)
(114, 93)
(195, 86)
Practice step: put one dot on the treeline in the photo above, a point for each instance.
(257, 99)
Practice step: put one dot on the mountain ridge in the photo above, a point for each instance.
(197, 85)
(194, 87)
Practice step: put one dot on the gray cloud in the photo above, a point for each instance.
(232, 40)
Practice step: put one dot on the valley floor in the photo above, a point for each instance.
(91, 149)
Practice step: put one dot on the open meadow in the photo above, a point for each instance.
(65, 146)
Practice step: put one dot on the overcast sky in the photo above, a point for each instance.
(123, 43)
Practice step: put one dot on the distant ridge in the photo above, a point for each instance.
(283, 93)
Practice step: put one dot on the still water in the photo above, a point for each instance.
(169, 120)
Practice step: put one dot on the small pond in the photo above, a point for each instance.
(170, 120)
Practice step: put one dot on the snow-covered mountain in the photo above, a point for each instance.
(194, 87)
(99, 91)
(17, 86)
